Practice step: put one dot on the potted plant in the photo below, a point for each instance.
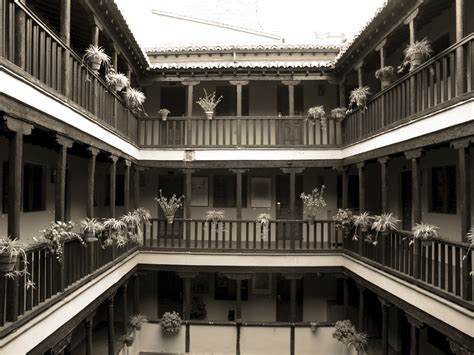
(382, 224)
(338, 113)
(415, 54)
(344, 221)
(128, 340)
(170, 322)
(317, 113)
(10, 251)
(169, 206)
(137, 321)
(91, 228)
(214, 217)
(385, 75)
(96, 56)
(208, 103)
(143, 216)
(358, 98)
(116, 81)
(134, 100)
(164, 112)
(361, 223)
(426, 233)
(132, 226)
(55, 235)
(115, 231)
(470, 240)
(358, 341)
(313, 202)
(344, 329)
(263, 221)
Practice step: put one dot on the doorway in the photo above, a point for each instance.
(283, 304)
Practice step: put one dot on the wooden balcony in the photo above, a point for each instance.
(237, 132)
(48, 62)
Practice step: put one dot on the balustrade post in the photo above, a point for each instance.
(460, 65)
(415, 326)
(187, 276)
(111, 325)
(385, 319)
(65, 33)
(126, 187)
(112, 179)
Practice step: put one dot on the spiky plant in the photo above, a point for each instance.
(91, 226)
(214, 216)
(424, 232)
(470, 240)
(134, 100)
(385, 73)
(383, 223)
(209, 102)
(339, 113)
(116, 232)
(14, 249)
(263, 220)
(317, 113)
(358, 98)
(361, 222)
(418, 49)
(137, 320)
(116, 80)
(96, 56)
(358, 341)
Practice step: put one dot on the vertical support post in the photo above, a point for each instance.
(126, 187)
(291, 100)
(238, 310)
(113, 180)
(88, 326)
(136, 293)
(91, 181)
(187, 276)
(361, 307)
(136, 186)
(111, 325)
(385, 309)
(345, 187)
(238, 198)
(238, 85)
(187, 208)
(346, 296)
(384, 183)
(189, 109)
(460, 65)
(65, 33)
(239, 100)
(361, 170)
(115, 54)
(410, 21)
(60, 186)
(124, 308)
(415, 326)
(20, 37)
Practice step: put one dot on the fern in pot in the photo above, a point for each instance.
(424, 232)
(132, 224)
(362, 224)
(134, 100)
(96, 57)
(344, 221)
(115, 231)
(91, 228)
(315, 114)
(169, 206)
(11, 250)
(338, 113)
(116, 81)
(263, 221)
(415, 54)
(382, 224)
(358, 98)
(208, 103)
(385, 75)
(313, 202)
(137, 321)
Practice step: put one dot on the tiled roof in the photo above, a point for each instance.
(246, 64)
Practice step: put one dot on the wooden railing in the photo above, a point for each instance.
(44, 56)
(427, 87)
(237, 132)
(243, 235)
(51, 277)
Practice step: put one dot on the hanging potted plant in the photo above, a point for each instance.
(164, 113)
(358, 341)
(128, 340)
(358, 98)
(10, 252)
(338, 113)
(134, 100)
(116, 81)
(208, 103)
(415, 54)
(263, 221)
(317, 113)
(143, 216)
(383, 223)
(169, 206)
(426, 233)
(91, 228)
(344, 329)
(313, 202)
(170, 322)
(115, 232)
(96, 56)
(132, 227)
(137, 321)
(385, 75)
(215, 217)
(344, 221)
(362, 224)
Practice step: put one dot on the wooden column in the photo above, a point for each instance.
(113, 179)
(238, 86)
(361, 169)
(291, 95)
(136, 293)
(187, 276)
(65, 33)
(346, 297)
(293, 278)
(345, 187)
(410, 21)
(124, 308)
(114, 57)
(381, 49)
(385, 309)
(126, 187)
(20, 36)
(358, 68)
(88, 325)
(292, 172)
(361, 307)
(238, 198)
(414, 156)
(111, 325)
(464, 173)
(60, 184)
(91, 181)
(189, 109)
(18, 129)
(415, 326)
(188, 173)
(238, 278)
(384, 183)
(136, 186)
(460, 65)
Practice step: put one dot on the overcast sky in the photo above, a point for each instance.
(296, 20)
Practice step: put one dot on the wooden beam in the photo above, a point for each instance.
(124, 308)
(60, 185)
(385, 321)
(111, 325)
(113, 180)
(384, 179)
(361, 170)
(126, 187)
(91, 181)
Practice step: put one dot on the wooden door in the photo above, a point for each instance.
(283, 304)
(406, 187)
(170, 295)
(283, 208)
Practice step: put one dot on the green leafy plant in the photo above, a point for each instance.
(382, 223)
(344, 221)
(314, 201)
(116, 81)
(171, 322)
(339, 113)
(362, 223)
(55, 235)
(424, 232)
(358, 341)
(209, 102)
(134, 100)
(385, 73)
(263, 221)
(137, 321)
(169, 206)
(344, 330)
(133, 227)
(317, 113)
(214, 216)
(115, 231)
(358, 98)
(415, 54)
(10, 251)
(164, 112)
(96, 56)
(91, 228)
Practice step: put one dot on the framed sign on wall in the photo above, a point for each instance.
(261, 192)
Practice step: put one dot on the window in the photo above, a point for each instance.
(283, 100)
(228, 104)
(174, 99)
(225, 191)
(33, 188)
(443, 190)
(119, 190)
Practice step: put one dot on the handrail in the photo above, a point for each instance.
(246, 220)
(180, 118)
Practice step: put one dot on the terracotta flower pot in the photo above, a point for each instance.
(117, 87)
(426, 243)
(416, 60)
(90, 237)
(7, 263)
(164, 116)
(385, 82)
(94, 63)
(209, 114)
(170, 219)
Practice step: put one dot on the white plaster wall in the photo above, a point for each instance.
(319, 342)
(318, 291)
(152, 339)
(265, 340)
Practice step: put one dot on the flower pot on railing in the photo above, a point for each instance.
(385, 82)
(416, 60)
(7, 262)
(170, 219)
(209, 114)
(117, 87)
(94, 63)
